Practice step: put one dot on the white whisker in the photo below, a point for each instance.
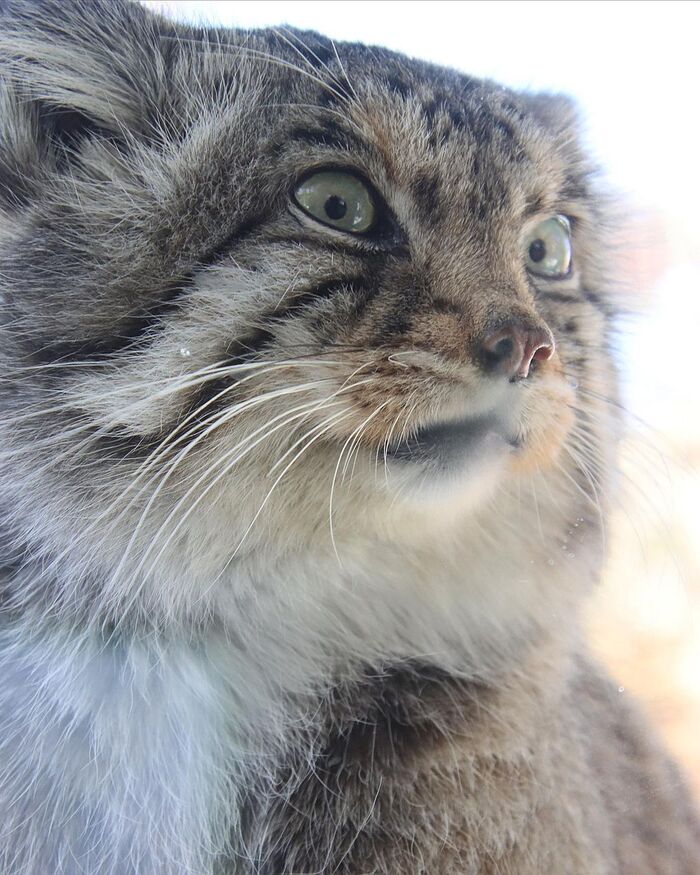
(335, 474)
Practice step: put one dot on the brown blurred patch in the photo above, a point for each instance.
(645, 620)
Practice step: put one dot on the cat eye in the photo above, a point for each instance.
(338, 199)
(548, 248)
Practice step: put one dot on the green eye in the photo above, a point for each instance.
(337, 199)
(548, 248)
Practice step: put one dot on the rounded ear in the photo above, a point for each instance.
(99, 58)
(557, 112)
(71, 70)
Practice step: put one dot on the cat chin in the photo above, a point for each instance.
(459, 471)
(463, 461)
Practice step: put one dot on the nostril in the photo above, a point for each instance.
(538, 347)
(503, 349)
(542, 353)
(512, 349)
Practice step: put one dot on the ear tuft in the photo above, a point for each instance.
(96, 57)
(72, 70)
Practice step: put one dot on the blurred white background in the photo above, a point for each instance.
(633, 67)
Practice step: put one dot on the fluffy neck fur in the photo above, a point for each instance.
(191, 727)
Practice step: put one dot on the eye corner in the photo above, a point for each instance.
(566, 221)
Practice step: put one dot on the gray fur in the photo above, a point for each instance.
(239, 632)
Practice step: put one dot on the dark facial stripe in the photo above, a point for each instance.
(425, 189)
(354, 246)
(250, 346)
(132, 333)
(575, 188)
(329, 135)
(558, 297)
(122, 446)
(139, 329)
(320, 292)
(598, 302)
(246, 348)
(443, 305)
(397, 321)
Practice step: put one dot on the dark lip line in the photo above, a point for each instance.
(432, 441)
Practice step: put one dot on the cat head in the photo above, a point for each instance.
(263, 294)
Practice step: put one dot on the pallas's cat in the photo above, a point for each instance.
(308, 418)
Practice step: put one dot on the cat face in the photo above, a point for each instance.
(262, 292)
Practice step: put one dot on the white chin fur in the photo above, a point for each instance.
(463, 482)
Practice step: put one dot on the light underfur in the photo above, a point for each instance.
(238, 633)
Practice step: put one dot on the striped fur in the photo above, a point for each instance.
(238, 634)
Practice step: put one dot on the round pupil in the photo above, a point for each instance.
(537, 250)
(335, 207)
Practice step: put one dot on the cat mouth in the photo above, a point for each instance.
(446, 443)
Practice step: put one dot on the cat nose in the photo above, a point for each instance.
(511, 349)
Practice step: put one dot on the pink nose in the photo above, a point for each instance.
(511, 349)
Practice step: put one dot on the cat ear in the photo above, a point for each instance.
(100, 59)
(71, 70)
(558, 113)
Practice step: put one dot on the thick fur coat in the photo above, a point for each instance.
(291, 558)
